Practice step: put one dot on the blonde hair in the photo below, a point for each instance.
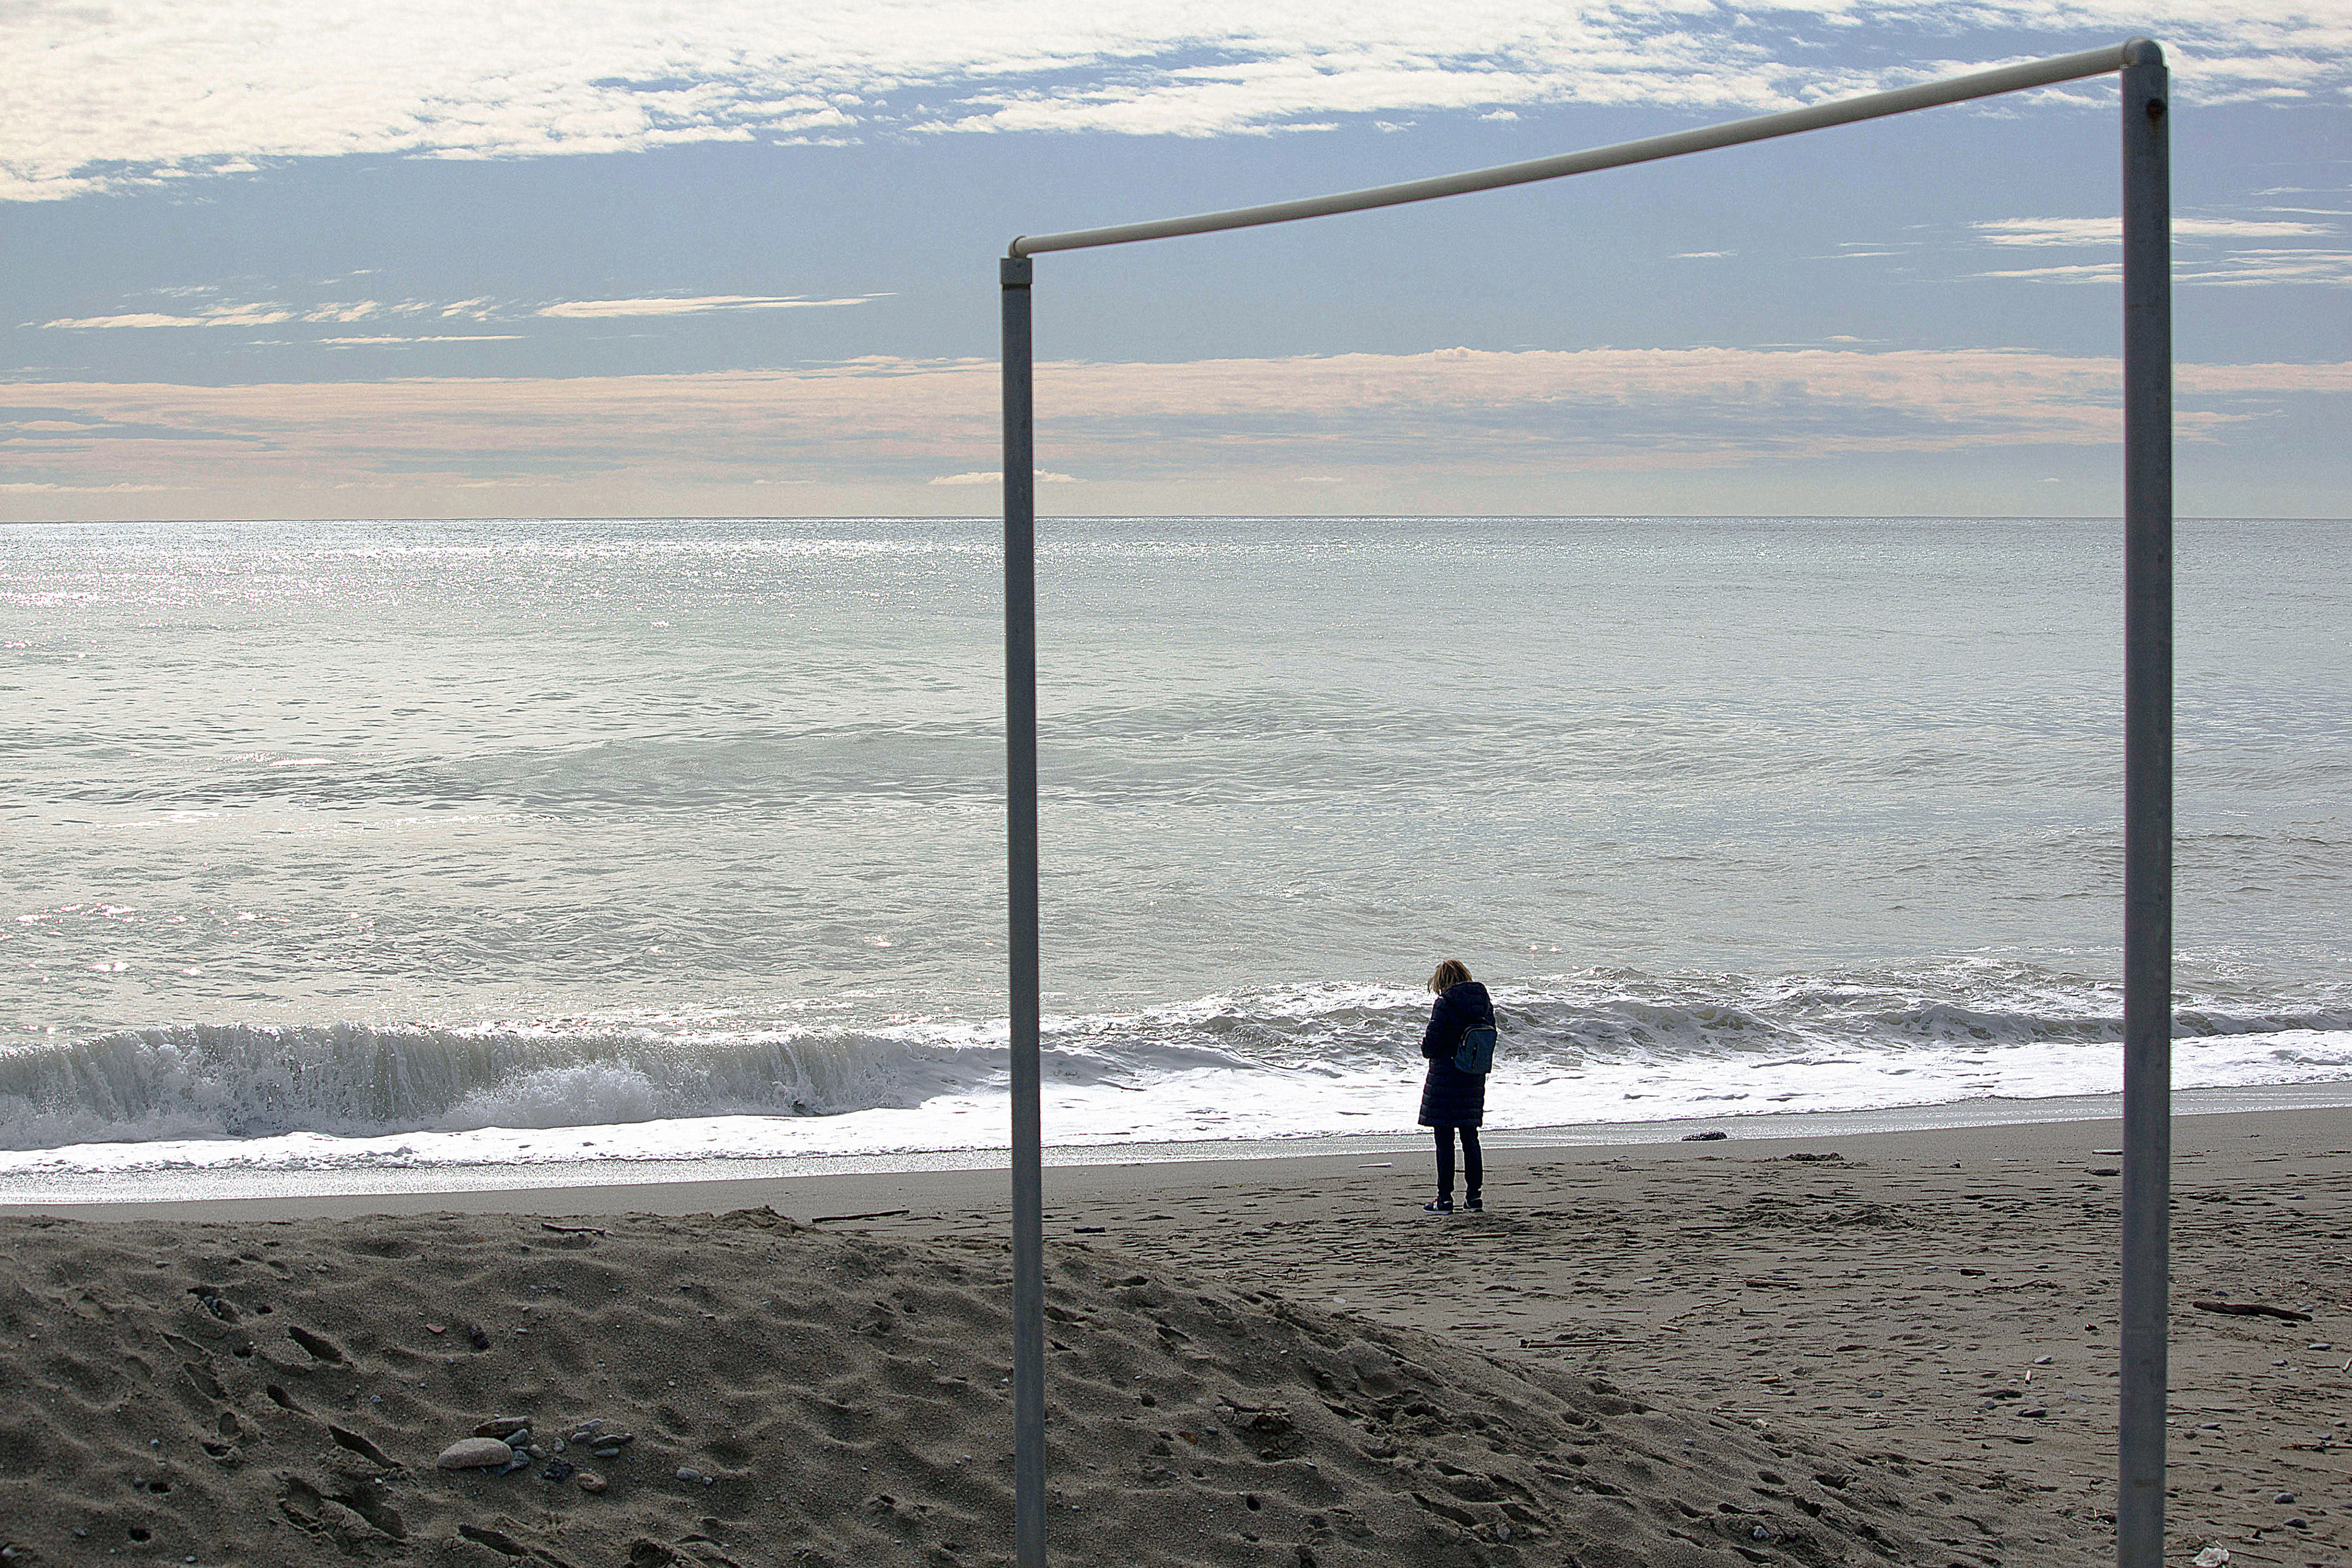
(1451, 972)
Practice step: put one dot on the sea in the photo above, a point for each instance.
(475, 846)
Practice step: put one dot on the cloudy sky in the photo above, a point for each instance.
(415, 257)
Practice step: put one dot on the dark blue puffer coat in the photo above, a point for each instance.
(1450, 1097)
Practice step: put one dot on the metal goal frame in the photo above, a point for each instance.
(2148, 718)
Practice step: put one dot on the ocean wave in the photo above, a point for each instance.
(1575, 1045)
(356, 1080)
(349, 1079)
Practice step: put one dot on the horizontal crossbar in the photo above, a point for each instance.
(1843, 111)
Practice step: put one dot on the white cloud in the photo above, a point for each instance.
(2243, 269)
(2084, 272)
(345, 312)
(36, 488)
(93, 97)
(2207, 251)
(583, 310)
(244, 315)
(445, 338)
(2110, 231)
(1460, 414)
(223, 316)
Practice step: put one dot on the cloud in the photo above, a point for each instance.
(2245, 269)
(224, 316)
(34, 487)
(243, 315)
(345, 312)
(2110, 230)
(590, 309)
(901, 426)
(2210, 251)
(442, 338)
(94, 98)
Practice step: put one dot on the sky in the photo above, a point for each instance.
(562, 258)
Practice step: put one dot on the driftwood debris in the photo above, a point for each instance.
(2252, 1310)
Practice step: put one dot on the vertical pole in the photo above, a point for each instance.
(2147, 806)
(1021, 872)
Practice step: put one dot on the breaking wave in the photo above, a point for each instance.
(1614, 1045)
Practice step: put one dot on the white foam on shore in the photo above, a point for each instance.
(1311, 1063)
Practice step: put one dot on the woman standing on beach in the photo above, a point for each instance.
(1453, 1100)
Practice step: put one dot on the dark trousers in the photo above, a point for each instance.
(1473, 1168)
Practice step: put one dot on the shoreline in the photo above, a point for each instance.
(514, 1188)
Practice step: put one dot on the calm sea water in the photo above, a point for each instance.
(349, 842)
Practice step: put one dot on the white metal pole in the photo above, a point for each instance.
(2147, 808)
(1020, 877)
(1706, 138)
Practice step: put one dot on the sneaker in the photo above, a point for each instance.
(1473, 1204)
(1442, 1206)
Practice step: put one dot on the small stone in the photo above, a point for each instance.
(590, 1481)
(535, 1451)
(2212, 1557)
(2283, 1497)
(474, 1454)
(688, 1474)
(477, 1337)
(1705, 1137)
(607, 1453)
(2298, 1524)
(503, 1426)
(557, 1470)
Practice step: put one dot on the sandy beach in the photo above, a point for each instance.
(1888, 1348)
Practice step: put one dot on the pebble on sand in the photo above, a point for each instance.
(474, 1454)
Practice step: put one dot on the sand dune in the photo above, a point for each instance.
(278, 1393)
(1706, 1354)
